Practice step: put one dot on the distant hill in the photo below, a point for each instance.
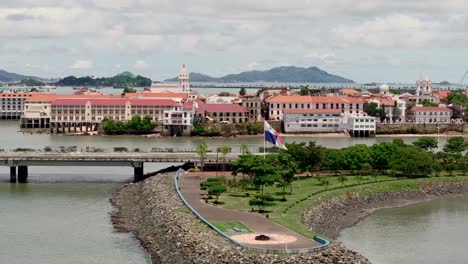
(124, 79)
(278, 74)
(14, 77)
(127, 73)
(444, 83)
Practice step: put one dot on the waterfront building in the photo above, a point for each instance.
(178, 121)
(422, 114)
(80, 115)
(12, 104)
(222, 113)
(347, 105)
(327, 120)
(36, 110)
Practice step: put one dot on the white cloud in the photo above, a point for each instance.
(82, 64)
(141, 64)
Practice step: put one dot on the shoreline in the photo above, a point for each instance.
(285, 135)
(332, 216)
(171, 234)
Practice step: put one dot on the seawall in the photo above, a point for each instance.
(152, 211)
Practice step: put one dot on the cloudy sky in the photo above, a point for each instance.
(371, 40)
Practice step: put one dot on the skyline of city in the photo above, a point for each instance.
(382, 41)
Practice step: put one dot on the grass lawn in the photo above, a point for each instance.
(307, 192)
(232, 227)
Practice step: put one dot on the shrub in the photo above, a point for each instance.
(196, 169)
(120, 149)
(47, 149)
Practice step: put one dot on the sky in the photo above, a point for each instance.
(371, 40)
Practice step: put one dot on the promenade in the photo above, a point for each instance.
(282, 238)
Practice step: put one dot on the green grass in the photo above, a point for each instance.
(183, 210)
(308, 192)
(230, 227)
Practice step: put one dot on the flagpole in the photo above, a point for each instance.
(264, 140)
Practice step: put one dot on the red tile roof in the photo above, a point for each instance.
(313, 99)
(116, 102)
(347, 91)
(312, 111)
(221, 108)
(157, 95)
(430, 108)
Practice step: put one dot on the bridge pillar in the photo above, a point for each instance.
(22, 174)
(13, 174)
(138, 174)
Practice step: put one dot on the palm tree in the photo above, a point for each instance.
(202, 149)
(224, 150)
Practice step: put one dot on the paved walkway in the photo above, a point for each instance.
(190, 188)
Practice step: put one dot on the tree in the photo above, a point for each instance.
(426, 143)
(224, 150)
(127, 90)
(412, 162)
(242, 91)
(202, 149)
(426, 102)
(371, 109)
(286, 169)
(455, 145)
(304, 90)
(216, 190)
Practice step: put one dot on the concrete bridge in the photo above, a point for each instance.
(20, 161)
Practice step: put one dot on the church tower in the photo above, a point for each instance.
(184, 80)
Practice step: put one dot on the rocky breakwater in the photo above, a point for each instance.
(333, 215)
(171, 234)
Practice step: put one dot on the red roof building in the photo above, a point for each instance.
(222, 113)
(347, 105)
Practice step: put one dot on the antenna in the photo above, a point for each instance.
(463, 78)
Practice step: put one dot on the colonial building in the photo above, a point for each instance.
(80, 115)
(421, 114)
(37, 108)
(347, 105)
(253, 105)
(222, 113)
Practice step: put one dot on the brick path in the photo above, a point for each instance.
(190, 188)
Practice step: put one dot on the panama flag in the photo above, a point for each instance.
(272, 136)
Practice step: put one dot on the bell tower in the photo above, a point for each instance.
(184, 80)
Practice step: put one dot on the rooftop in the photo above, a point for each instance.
(116, 102)
(313, 99)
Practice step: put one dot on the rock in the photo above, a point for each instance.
(172, 236)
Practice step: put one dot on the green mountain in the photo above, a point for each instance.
(278, 74)
(14, 77)
(127, 73)
(121, 80)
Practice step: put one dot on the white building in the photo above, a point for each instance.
(429, 114)
(327, 120)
